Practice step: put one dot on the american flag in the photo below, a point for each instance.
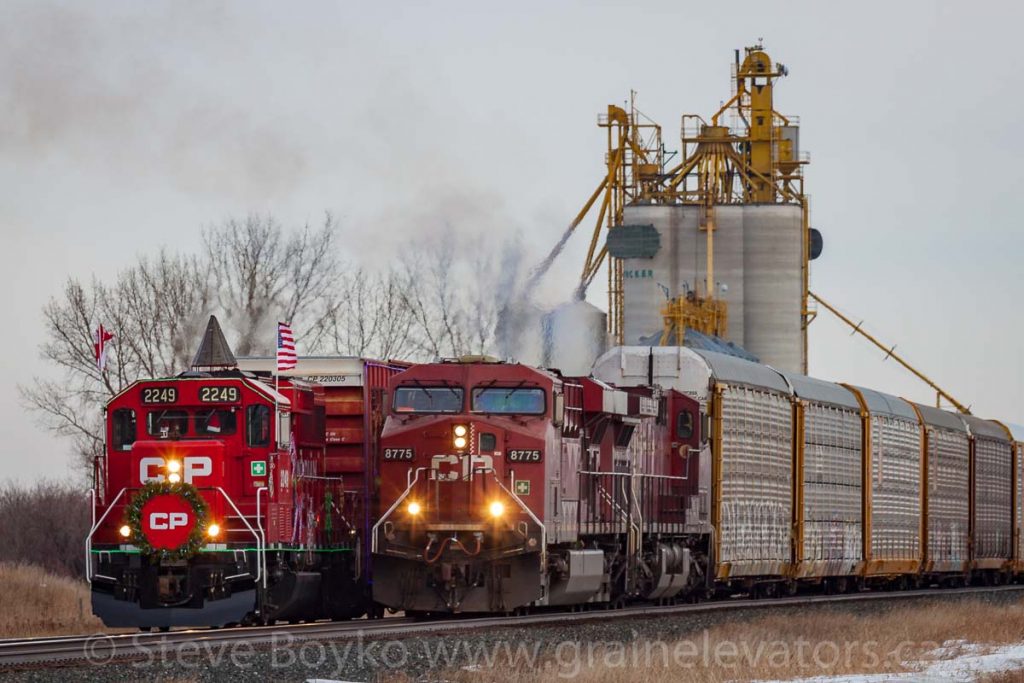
(100, 337)
(286, 358)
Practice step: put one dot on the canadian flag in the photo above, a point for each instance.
(100, 337)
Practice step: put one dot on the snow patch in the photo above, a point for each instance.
(954, 661)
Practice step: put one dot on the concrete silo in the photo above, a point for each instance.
(718, 243)
(758, 271)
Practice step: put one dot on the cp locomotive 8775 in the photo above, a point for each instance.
(505, 486)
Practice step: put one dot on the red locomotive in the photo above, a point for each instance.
(504, 486)
(228, 496)
(675, 473)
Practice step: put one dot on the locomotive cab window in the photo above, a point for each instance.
(488, 442)
(417, 399)
(215, 422)
(684, 425)
(509, 400)
(123, 424)
(624, 435)
(257, 425)
(167, 424)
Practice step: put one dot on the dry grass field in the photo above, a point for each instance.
(776, 647)
(39, 603)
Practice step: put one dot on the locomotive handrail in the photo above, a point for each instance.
(543, 529)
(398, 501)
(95, 527)
(637, 474)
(260, 542)
(259, 525)
(261, 555)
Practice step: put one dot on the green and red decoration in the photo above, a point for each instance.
(168, 520)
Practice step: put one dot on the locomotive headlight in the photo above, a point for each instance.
(414, 508)
(125, 531)
(460, 440)
(497, 509)
(173, 466)
(174, 477)
(213, 531)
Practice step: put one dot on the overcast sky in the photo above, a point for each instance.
(129, 126)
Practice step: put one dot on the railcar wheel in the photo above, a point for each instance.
(145, 629)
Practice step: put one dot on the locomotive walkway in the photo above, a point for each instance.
(31, 653)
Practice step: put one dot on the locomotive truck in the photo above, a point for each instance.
(228, 496)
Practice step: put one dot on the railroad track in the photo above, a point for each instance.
(103, 648)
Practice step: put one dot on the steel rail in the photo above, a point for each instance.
(71, 650)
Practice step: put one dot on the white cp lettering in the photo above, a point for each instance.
(193, 467)
(167, 520)
(470, 464)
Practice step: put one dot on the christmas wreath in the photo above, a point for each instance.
(186, 491)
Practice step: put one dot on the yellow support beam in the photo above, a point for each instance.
(890, 352)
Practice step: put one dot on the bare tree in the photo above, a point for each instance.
(444, 299)
(253, 273)
(370, 318)
(44, 525)
(455, 291)
(261, 273)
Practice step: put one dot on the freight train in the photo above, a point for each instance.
(225, 496)
(234, 494)
(672, 473)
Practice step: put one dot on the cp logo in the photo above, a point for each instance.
(469, 465)
(192, 467)
(167, 521)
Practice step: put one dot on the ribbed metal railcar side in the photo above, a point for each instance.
(993, 453)
(894, 491)
(829, 539)
(947, 491)
(1017, 432)
(753, 471)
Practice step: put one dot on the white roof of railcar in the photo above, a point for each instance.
(820, 391)
(730, 369)
(936, 417)
(329, 370)
(887, 404)
(982, 427)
